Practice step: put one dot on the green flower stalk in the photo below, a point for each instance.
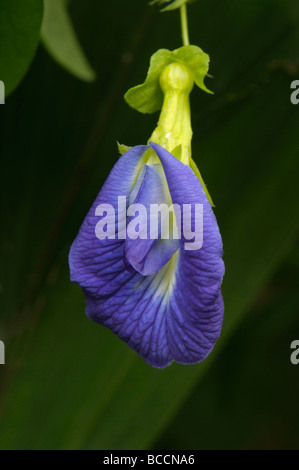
(169, 82)
(174, 126)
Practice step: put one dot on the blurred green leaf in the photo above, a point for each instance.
(59, 38)
(20, 24)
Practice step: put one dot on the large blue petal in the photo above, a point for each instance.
(97, 265)
(195, 306)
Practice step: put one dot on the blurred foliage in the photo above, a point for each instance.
(173, 4)
(69, 383)
(60, 40)
(19, 37)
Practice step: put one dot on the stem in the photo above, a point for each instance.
(184, 25)
(174, 126)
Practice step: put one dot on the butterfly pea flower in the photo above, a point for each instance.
(159, 292)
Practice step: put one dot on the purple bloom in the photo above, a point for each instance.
(162, 299)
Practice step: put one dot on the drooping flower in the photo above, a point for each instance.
(157, 293)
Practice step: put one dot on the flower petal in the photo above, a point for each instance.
(148, 255)
(137, 316)
(97, 265)
(195, 306)
(174, 314)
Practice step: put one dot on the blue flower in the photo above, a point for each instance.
(162, 299)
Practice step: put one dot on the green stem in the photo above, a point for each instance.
(174, 129)
(184, 25)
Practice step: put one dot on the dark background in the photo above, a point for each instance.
(68, 383)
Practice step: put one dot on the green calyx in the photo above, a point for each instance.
(174, 125)
(169, 82)
(148, 97)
